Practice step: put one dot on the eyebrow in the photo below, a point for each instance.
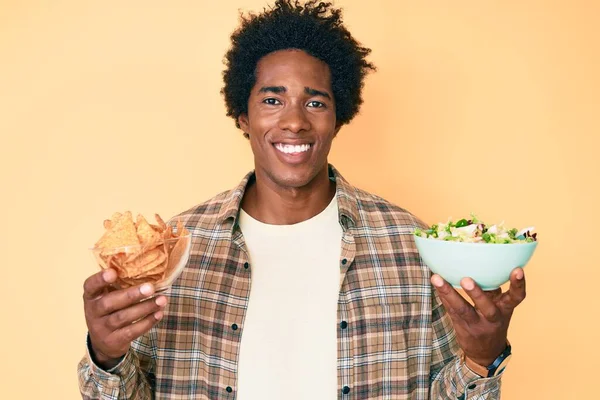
(272, 89)
(315, 92)
(283, 89)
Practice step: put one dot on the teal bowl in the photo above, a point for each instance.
(489, 265)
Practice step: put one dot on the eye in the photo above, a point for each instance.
(271, 101)
(316, 104)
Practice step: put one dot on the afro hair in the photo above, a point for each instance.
(313, 27)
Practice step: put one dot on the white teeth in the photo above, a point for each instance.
(290, 148)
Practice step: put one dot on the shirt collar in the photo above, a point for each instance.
(345, 194)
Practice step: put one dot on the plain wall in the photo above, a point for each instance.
(485, 107)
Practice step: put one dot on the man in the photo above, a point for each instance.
(299, 285)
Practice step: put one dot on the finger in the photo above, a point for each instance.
(457, 307)
(95, 285)
(516, 292)
(493, 295)
(127, 316)
(120, 299)
(482, 301)
(131, 332)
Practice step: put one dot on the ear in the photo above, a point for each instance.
(243, 123)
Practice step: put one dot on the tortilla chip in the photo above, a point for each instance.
(141, 252)
(145, 262)
(146, 234)
(122, 233)
(176, 253)
(115, 263)
(158, 270)
(160, 222)
(168, 233)
(181, 231)
(115, 217)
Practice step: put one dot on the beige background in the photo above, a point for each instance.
(490, 107)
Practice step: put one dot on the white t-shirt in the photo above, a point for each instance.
(289, 338)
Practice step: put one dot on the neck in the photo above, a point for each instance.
(276, 205)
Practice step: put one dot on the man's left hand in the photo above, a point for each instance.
(481, 329)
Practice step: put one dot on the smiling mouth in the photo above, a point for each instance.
(292, 148)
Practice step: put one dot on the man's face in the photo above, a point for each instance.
(291, 118)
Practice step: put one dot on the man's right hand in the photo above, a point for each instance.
(110, 316)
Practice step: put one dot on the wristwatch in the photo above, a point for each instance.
(495, 368)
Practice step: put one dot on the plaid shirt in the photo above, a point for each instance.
(394, 338)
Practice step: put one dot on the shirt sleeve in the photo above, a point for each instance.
(450, 378)
(130, 379)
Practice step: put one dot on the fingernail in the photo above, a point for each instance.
(468, 284)
(146, 289)
(108, 276)
(158, 315)
(520, 274)
(437, 281)
(161, 301)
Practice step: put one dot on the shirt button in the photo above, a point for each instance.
(246, 265)
(229, 389)
(471, 387)
(234, 327)
(344, 325)
(344, 261)
(346, 390)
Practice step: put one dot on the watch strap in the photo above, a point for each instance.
(476, 368)
(495, 368)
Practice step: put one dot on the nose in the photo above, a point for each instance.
(294, 119)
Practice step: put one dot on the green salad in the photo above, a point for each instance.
(474, 230)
